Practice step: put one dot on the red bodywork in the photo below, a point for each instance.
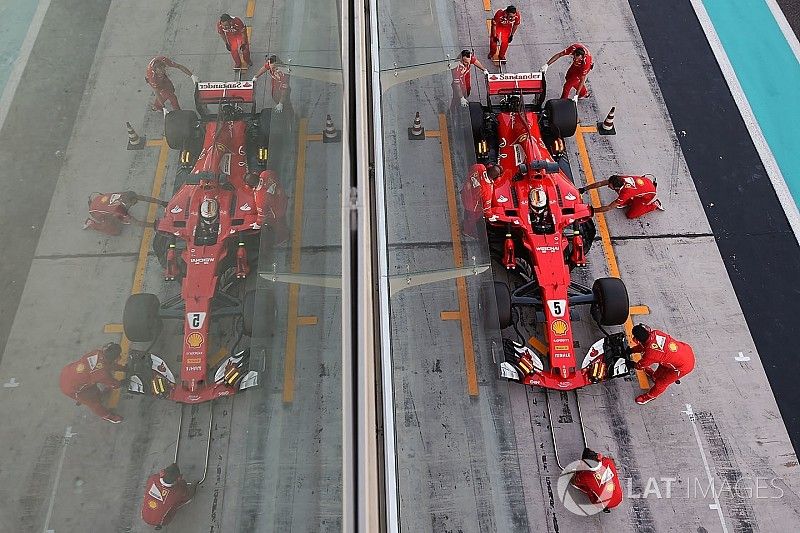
(520, 141)
(222, 161)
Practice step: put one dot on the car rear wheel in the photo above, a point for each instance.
(563, 117)
(611, 305)
(478, 130)
(140, 319)
(502, 295)
(179, 128)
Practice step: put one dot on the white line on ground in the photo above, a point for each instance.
(753, 128)
(22, 59)
(68, 434)
(783, 24)
(741, 358)
(716, 505)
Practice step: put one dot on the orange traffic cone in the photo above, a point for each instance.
(330, 134)
(134, 141)
(607, 126)
(416, 132)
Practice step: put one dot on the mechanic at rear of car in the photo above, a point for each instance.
(674, 358)
(281, 91)
(156, 77)
(80, 379)
(234, 35)
(164, 493)
(636, 194)
(504, 24)
(599, 480)
(462, 80)
(577, 71)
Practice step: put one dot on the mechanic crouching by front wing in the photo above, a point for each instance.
(165, 492)
(635, 194)
(599, 480)
(674, 358)
(80, 379)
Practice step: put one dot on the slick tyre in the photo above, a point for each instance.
(611, 305)
(563, 117)
(179, 128)
(503, 296)
(140, 319)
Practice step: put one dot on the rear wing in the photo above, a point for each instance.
(223, 92)
(522, 83)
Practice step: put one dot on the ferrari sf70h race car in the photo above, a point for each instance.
(207, 238)
(539, 229)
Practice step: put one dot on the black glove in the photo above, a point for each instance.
(581, 190)
(228, 46)
(510, 37)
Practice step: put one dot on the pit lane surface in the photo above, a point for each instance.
(484, 462)
(64, 469)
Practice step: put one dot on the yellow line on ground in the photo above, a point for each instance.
(112, 328)
(154, 142)
(306, 321)
(487, 5)
(297, 241)
(450, 315)
(602, 228)
(640, 310)
(455, 234)
(251, 8)
(315, 137)
(144, 249)
(432, 133)
(249, 32)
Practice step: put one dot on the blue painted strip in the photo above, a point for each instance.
(769, 74)
(15, 19)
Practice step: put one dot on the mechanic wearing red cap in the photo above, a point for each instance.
(577, 71)
(462, 80)
(674, 358)
(504, 24)
(79, 379)
(156, 77)
(599, 480)
(234, 35)
(281, 90)
(636, 194)
(165, 492)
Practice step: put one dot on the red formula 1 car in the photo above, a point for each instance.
(539, 229)
(208, 237)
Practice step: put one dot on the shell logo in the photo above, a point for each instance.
(672, 347)
(195, 340)
(81, 368)
(152, 504)
(639, 181)
(559, 327)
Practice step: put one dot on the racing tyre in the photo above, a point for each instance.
(264, 121)
(258, 320)
(160, 245)
(476, 120)
(611, 305)
(140, 318)
(179, 128)
(503, 296)
(588, 232)
(563, 117)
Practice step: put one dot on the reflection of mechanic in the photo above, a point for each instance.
(504, 24)
(637, 194)
(577, 71)
(234, 35)
(165, 492)
(462, 80)
(207, 229)
(674, 358)
(600, 481)
(80, 379)
(280, 82)
(156, 77)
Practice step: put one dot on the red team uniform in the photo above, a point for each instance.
(235, 40)
(161, 84)
(601, 484)
(462, 76)
(576, 72)
(504, 23)
(79, 381)
(637, 196)
(674, 358)
(162, 500)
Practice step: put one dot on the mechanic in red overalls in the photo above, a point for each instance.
(280, 82)
(674, 358)
(577, 71)
(156, 77)
(504, 23)
(600, 482)
(271, 202)
(234, 35)
(636, 194)
(79, 380)
(462, 79)
(109, 211)
(164, 493)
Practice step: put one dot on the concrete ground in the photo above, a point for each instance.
(474, 453)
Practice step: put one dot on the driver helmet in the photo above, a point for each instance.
(209, 209)
(538, 198)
